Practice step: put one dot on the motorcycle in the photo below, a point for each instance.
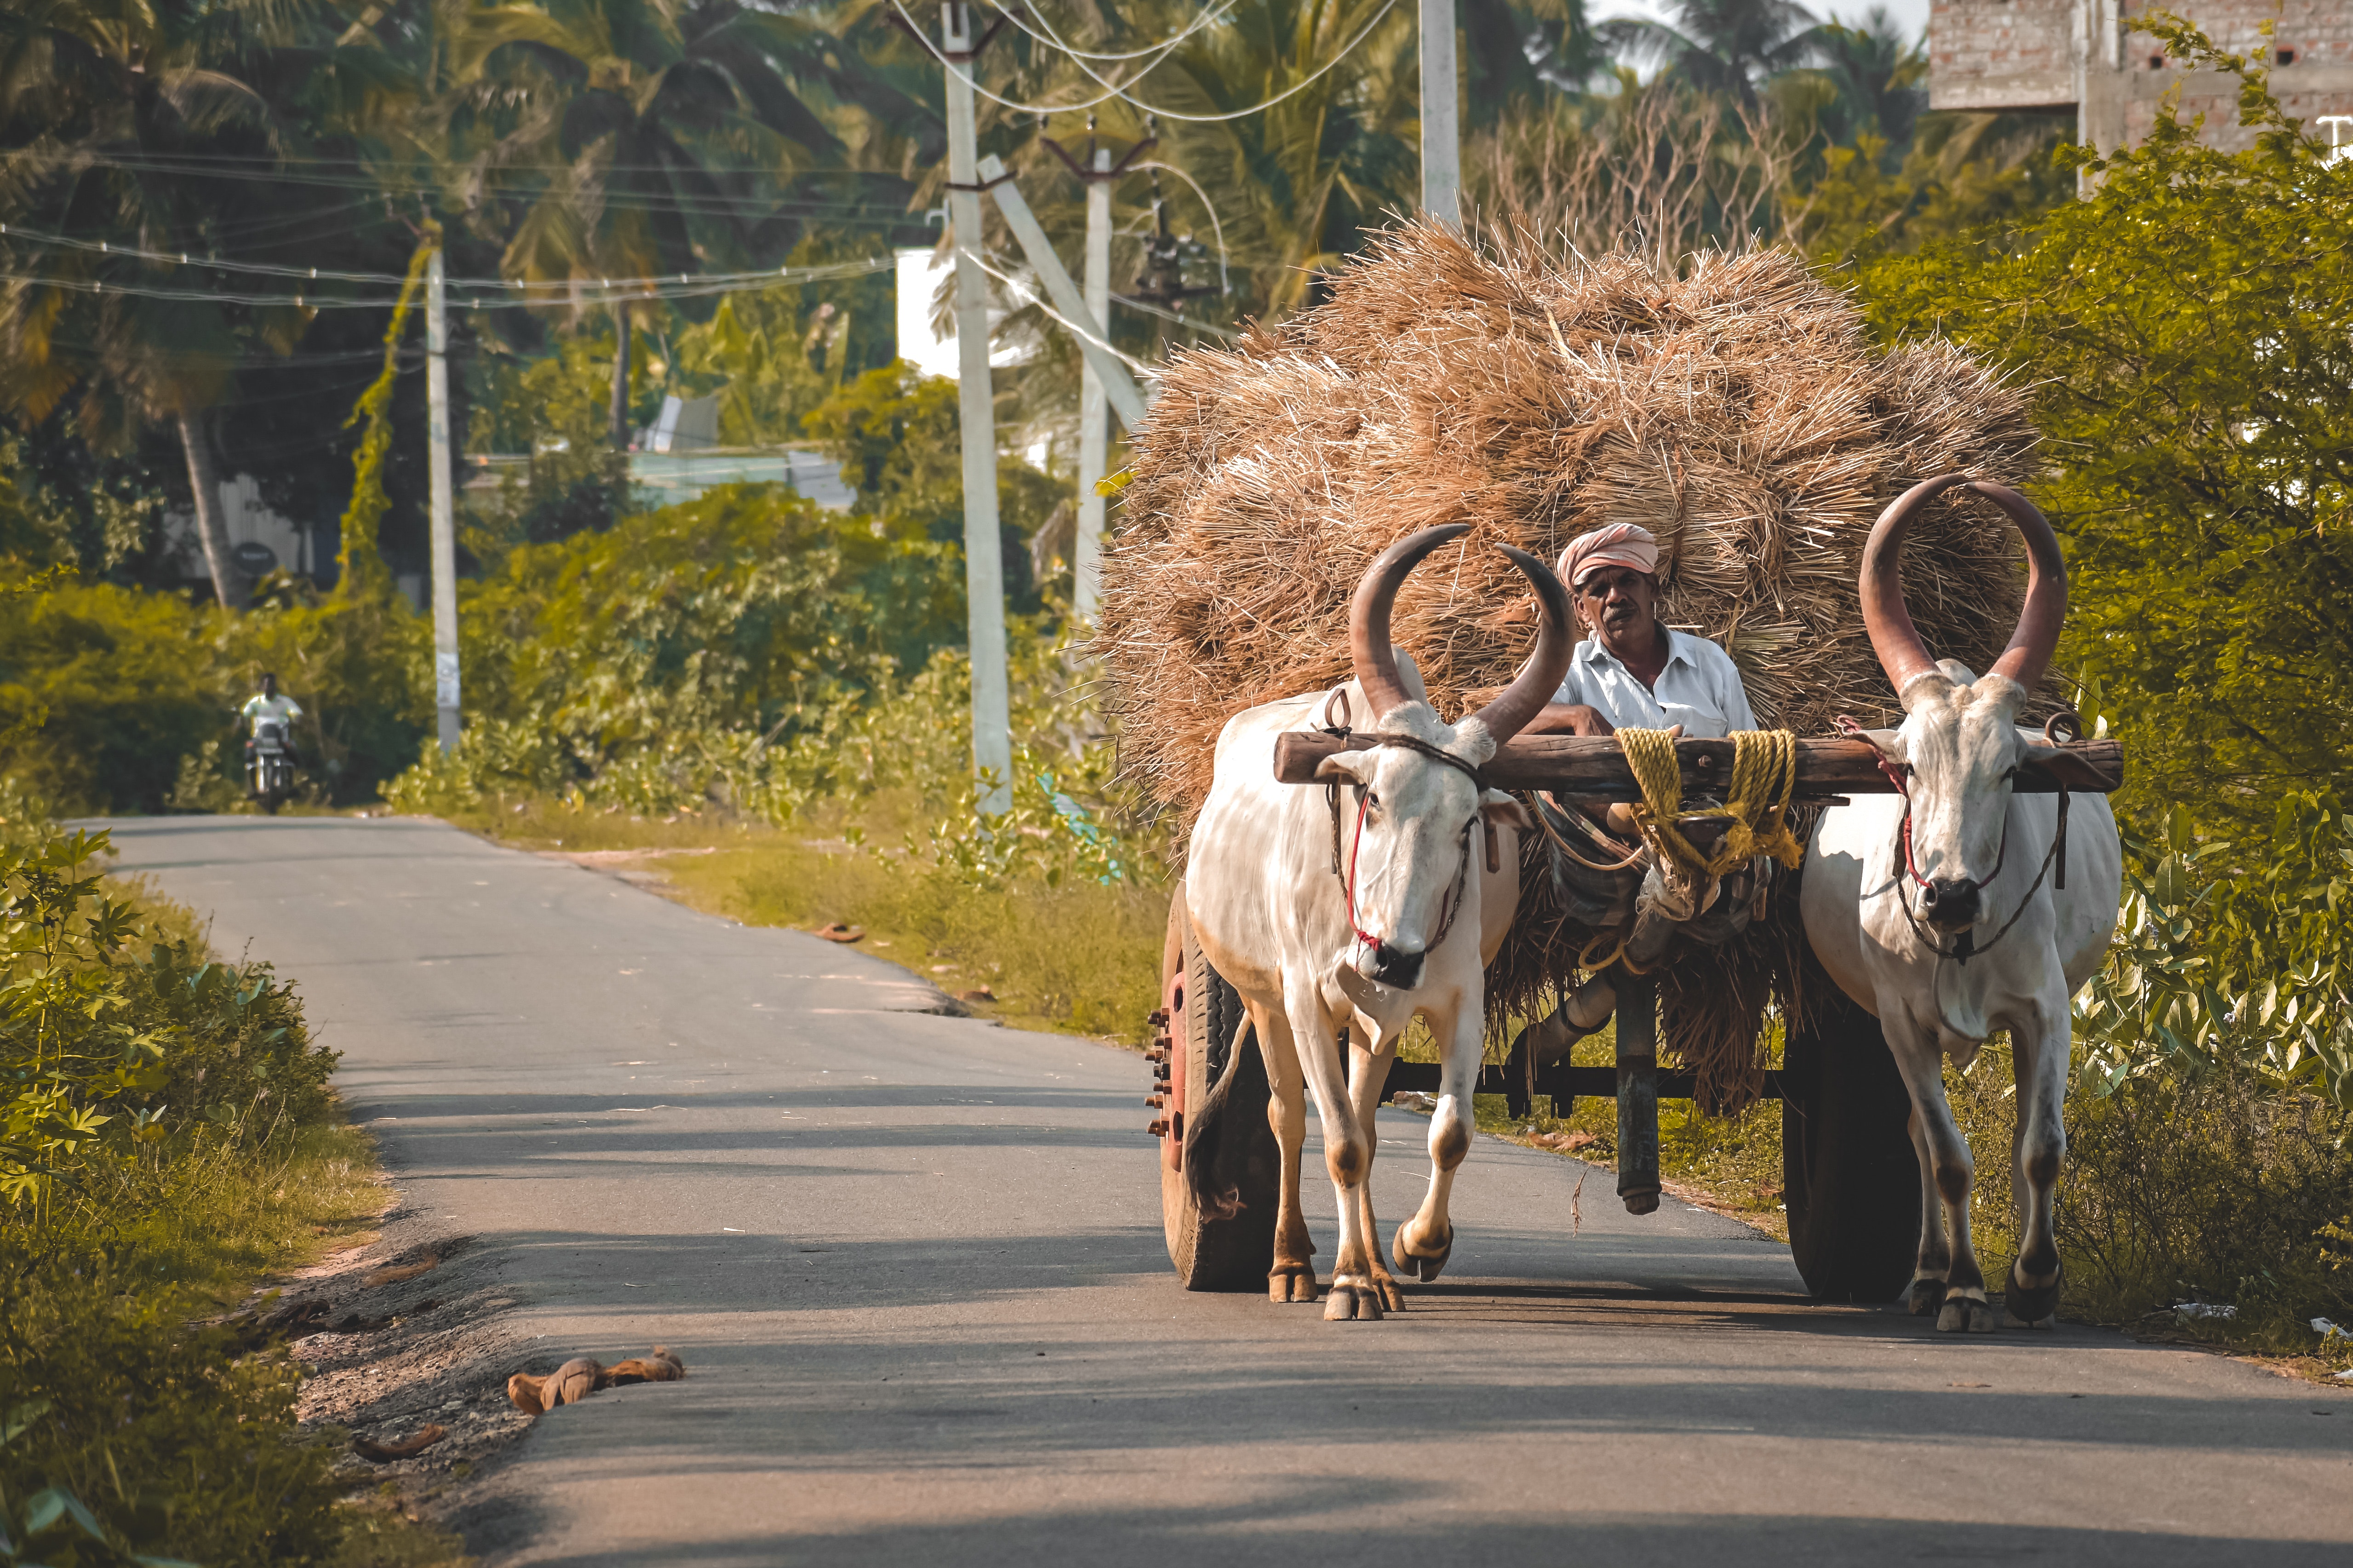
(270, 764)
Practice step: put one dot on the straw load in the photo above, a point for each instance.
(1736, 408)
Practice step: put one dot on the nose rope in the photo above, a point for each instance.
(1965, 947)
(1447, 909)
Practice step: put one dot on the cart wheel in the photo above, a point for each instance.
(1220, 1112)
(1848, 1170)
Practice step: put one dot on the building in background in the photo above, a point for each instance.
(2082, 55)
(260, 538)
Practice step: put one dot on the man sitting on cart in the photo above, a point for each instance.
(1632, 672)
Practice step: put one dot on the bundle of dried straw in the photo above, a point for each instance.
(1737, 410)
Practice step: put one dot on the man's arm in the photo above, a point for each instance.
(1568, 719)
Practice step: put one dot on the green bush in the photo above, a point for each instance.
(2219, 1188)
(171, 1442)
(116, 700)
(155, 1107)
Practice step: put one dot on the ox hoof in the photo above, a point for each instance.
(1386, 1287)
(1352, 1299)
(1290, 1282)
(1965, 1314)
(1928, 1295)
(2032, 1306)
(1421, 1265)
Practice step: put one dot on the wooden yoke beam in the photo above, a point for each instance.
(1579, 765)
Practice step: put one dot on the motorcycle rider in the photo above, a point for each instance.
(266, 707)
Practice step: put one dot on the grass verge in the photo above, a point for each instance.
(170, 1141)
(1081, 957)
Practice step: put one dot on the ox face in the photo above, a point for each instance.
(1961, 745)
(1405, 859)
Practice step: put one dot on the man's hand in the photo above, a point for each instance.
(1568, 719)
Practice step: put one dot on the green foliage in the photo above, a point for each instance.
(136, 689)
(156, 1104)
(895, 433)
(2185, 327)
(2233, 957)
(150, 1437)
(121, 676)
(108, 1062)
(2218, 1188)
(665, 659)
(360, 563)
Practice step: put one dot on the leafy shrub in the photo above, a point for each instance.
(2231, 957)
(122, 699)
(151, 1101)
(2221, 1188)
(108, 1062)
(168, 1442)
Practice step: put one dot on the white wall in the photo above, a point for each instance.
(247, 519)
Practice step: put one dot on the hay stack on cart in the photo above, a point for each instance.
(1737, 409)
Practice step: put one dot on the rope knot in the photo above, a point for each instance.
(1764, 777)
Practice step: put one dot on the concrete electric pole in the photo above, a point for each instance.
(1441, 135)
(984, 565)
(1086, 549)
(443, 529)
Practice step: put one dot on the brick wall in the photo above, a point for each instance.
(2023, 54)
(2000, 54)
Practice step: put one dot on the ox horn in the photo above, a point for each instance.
(1535, 685)
(1896, 640)
(2037, 637)
(1368, 614)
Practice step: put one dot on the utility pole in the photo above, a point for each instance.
(1119, 387)
(445, 539)
(984, 565)
(1442, 135)
(1097, 174)
(1086, 548)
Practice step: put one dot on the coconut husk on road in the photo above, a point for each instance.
(1736, 408)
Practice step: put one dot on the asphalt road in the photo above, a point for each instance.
(916, 1265)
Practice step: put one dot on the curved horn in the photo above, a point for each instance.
(1894, 637)
(1368, 614)
(1521, 700)
(2037, 637)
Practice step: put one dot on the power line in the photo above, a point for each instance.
(606, 292)
(933, 49)
(1216, 226)
(1013, 14)
(323, 274)
(1298, 87)
(1149, 308)
(1074, 328)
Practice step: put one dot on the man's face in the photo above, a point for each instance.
(1618, 600)
(269, 686)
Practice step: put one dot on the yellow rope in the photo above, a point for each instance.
(1763, 775)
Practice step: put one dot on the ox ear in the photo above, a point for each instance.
(1348, 767)
(1501, 810)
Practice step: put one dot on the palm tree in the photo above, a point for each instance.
(1721, 45)
(639, 138)
(1882, 80)
(139, 126)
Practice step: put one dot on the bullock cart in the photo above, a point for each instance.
(1851, 1176)
(1737, 408)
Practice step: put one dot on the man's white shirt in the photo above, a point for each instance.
(282, 708)
(1699, 689)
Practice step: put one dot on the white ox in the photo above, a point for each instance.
(1316, 952)
(1940, 909)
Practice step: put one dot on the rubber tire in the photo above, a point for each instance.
(1233, 1138)
(1850, 1176)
